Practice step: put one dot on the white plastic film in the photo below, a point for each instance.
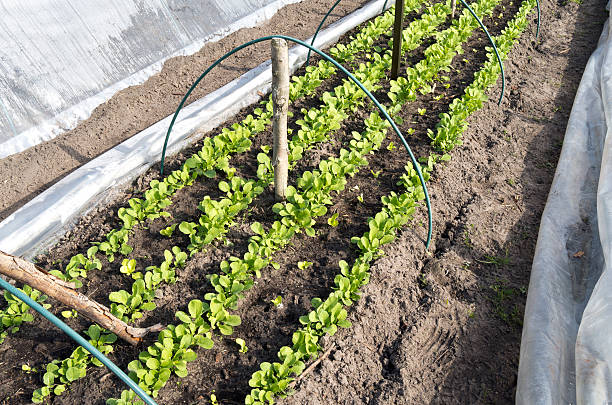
(566, 347)
(63, 58)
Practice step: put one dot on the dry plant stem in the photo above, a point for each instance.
(454, 7)
(312, 366)
(280, 101)
(36, 277)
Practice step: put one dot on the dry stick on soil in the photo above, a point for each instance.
(280, 101)
(36, 277)
(312, 366)
(453, 8)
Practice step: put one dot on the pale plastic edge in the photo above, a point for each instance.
(566, 346)
(39, 223)
(69, 118)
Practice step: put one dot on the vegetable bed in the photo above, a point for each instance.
(253, 291)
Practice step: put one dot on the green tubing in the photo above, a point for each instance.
(501, 65)
(79, 339)
(339, 66)
(319, 27)
(384, 5)
(538, 29)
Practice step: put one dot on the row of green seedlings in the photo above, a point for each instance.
(274, 379)
(318, 123)
(452, 124)
(218, 216)
(213, 156)
(304, 203)
(223, 283)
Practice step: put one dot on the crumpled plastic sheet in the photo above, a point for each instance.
(566, 347)
(39, 223)
(52, 78)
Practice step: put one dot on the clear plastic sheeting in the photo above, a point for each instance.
(566, 348)
(62, 58)
(40, 222)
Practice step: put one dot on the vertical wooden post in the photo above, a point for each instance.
(397, 38)
(280, 101)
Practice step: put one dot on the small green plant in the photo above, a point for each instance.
(28, 370)
(242, 344)
(304, 265)
(375, 173)
(422, 280)
(72, 313)
(278, 301)
(422, 111)
(168, 230)
(333, 220)
(360, 198)
(497, 261)
(511, 314)
(391, 146)
(467, 238)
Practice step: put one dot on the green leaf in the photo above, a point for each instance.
(257, 228)
(205, 342)
(233, 320)
(94, 332)
(120, 297)
(73, 374)
(190, 355)
(183, 317)
(49, 378)
(223, 186)
(195, 308)
(226, 329)
(153, 363)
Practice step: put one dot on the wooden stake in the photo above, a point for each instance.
(397, 38)
(454, 7)
(280, 100)
(36, 277)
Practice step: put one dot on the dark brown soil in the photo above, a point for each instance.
(438, 327)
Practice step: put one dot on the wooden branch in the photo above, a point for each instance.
(312, 366)
(454, 7)
(36, 277)
(280, 101)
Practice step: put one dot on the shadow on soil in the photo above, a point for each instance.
(502, 263)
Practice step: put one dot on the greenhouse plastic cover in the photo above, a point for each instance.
(566, 348)
(60, 59)
(39, 223)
